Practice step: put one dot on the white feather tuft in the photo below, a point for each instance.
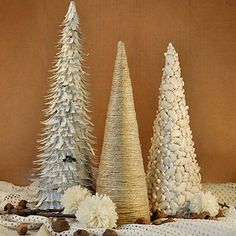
(97, 212)
(73, 197)
(204, 202)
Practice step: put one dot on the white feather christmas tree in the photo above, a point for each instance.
(173, 173)
(66, 152)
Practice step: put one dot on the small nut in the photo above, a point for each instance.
(143, 221)
(169, 220)
(159, 214)
(81, 232)
(203, 215)
(157, 222)
(59, 225)
(211, 218)
(23, 204)
(8, 207)
(193, 216)
(220, 213)
(22, 229)
(109, 232)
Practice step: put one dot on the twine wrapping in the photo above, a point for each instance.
(121, 172)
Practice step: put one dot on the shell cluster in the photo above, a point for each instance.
(173, 173)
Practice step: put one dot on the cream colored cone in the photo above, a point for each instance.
(121, 173)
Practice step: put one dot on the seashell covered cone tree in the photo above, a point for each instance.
(66, 152)
(121, 173)
(173, 173)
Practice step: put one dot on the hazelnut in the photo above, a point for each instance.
(109, 232)
(23, 204)
(81, 232)
(22, 229)
(143, 221)
(8, 207)
(59, 225)
(158, 215)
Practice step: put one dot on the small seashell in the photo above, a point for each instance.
(181, 199)
(170, 59)
(166, 139)
(182, 123)
(169, 96)
(174, 82)
(168, 87)
(168, 70)
(163, 115)
(173, 147)
(162, 205)
(175, 66)
(169, 125)
(178, 177)
(170, 171)
(166, 105)
(182, 187)
(172, 115)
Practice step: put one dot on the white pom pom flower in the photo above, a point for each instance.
(204, 202)
(97, 212)
(72, 198)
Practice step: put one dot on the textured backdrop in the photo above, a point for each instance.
(202, 31)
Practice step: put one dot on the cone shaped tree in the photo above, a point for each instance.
(121, 173)
(173, 173)
(66, 151)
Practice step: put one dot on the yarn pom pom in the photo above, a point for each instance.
(73, 197)
(97, 212)
(204, 202)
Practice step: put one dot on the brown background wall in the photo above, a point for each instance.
(203, 32)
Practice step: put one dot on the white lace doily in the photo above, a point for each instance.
(226, 226)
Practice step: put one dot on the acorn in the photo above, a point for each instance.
(142, 221)
(81, 232)
(8, 207)
(22, 229)
(59, 225)
(109, 232)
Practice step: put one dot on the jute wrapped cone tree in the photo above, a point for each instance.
(173, 173)
(121, 173)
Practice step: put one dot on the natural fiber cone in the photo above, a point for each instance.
(121, 173)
